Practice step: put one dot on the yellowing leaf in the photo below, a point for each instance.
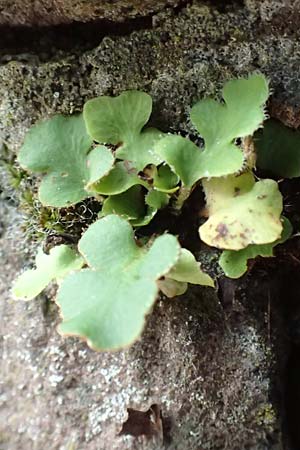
(172, 288)
(234, 263)
(241, 212)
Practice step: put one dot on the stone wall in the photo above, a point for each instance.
(210, 368)
(54, 12)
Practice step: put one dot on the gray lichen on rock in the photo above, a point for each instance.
(180, 60)
(210, 372)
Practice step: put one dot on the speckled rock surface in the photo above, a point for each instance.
(210, 370)
(181, 59)
(43, 12)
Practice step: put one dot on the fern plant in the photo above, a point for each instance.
(110, 281)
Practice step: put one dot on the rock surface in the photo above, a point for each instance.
(209, 369)
(209, 372)
(43, 12)
(181, 59)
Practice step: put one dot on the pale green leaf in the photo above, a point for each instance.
(184, 158)
(188, 270)
(141, 149)
(278, 149)
(119, 121)
(122, 177)
(234, 263)
(107, 303)
(60, 148)
(111, 120)
(99, 163)
(55, 266)
(172, 288)
(219, 125)
(240, 115)
(241, 212)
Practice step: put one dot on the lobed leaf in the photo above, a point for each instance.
(219, 125)
(55, 266)
(184, 158)
(241, 212)
(60, 148)
(107, 303)
(122, 177)
(234, 263)
(119, 121)
(140, 149)
(278, 149)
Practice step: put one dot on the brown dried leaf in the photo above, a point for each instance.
(144, 423)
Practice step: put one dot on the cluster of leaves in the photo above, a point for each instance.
(109, 284)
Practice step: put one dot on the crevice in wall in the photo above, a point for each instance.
(18, 40)
(45, 41)
(291, 311)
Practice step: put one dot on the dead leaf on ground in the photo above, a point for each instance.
(150, 423)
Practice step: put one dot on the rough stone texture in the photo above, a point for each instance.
(210, 370)
(53, 12)
(268, 9)
(180, 60)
